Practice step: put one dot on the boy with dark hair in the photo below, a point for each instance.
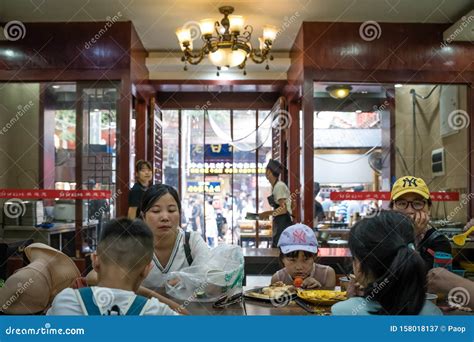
(411, 196)
(122, 261)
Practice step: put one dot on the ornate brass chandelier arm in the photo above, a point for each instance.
(193, 58)
(260, 56)
(247, 34)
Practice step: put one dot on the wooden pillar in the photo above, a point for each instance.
(308, 151)
(141, 130)
(387, 121)
(82, 124)
(470, 110)
(294, 150)
(123, 147)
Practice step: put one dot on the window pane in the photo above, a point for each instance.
(245, 177)
(99, 151)
(217, 153)
(192, 171)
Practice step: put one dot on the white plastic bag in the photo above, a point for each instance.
(222, 274)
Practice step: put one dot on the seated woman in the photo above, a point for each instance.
(298, 250)
(160, 208)
(387, 266)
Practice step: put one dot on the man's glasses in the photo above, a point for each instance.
(403, 204)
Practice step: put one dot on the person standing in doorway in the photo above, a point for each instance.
(279, 200)
(143, 176)
(211, 223)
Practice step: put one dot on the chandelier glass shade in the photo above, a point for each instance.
(226, 43)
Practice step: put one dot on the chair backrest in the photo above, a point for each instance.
(8, 250)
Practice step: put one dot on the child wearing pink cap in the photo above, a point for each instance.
(298, 251)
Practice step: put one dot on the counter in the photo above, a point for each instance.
(61, 236)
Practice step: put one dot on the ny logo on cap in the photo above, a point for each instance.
(299, 236)
(410, 181)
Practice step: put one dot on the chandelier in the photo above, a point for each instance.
(226, 43)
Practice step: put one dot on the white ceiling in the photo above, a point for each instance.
(157, 20)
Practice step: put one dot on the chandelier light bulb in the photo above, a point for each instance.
(236, 23)
(207, 26)
(269, 32)
(184, 35)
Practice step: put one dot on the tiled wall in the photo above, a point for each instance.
(19, 131)
(428, 139)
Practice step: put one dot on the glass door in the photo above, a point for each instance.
(98, 164)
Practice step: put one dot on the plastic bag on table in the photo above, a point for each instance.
(222, 274)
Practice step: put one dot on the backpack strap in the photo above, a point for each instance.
(87, 297)
(137, 306)
(187, 248)
(433, 236)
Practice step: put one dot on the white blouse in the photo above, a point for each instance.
(177, 261)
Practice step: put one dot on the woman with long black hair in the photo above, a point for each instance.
(160, 208)
(388, 268)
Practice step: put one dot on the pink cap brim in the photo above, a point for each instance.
(292, 248)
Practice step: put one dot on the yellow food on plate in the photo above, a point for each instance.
(323, 297)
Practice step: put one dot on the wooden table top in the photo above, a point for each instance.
(247, 307)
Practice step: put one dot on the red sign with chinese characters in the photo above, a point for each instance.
(385, 196)
(52, 194)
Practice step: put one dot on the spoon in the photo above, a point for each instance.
(460, 239)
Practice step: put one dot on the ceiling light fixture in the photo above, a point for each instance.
(339, 91)
(227, 43)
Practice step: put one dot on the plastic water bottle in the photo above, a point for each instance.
(442, 259)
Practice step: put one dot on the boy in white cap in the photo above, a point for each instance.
(298, 250)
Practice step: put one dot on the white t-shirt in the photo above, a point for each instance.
(280, 190)
(177, 261)
(67, 303)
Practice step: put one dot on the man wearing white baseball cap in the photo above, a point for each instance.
(298, 251)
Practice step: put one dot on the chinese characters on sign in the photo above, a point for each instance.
(385, 196)
(204, 187)
(226, 168)
(52, 194)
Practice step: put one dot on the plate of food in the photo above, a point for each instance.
(319, 310)
(275, 291)
(322, 297)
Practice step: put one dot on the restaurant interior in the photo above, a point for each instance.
(347, 98)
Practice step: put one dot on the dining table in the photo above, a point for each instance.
(255, 307)
(245, 307)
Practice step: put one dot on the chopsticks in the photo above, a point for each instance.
(348, 276)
